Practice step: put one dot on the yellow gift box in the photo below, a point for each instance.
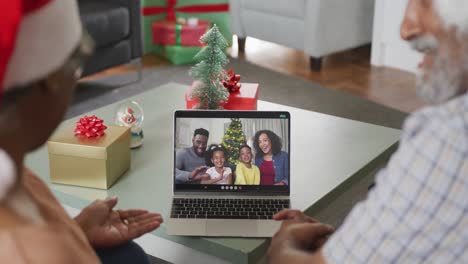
(89, 162)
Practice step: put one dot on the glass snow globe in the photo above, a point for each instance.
(130, 114)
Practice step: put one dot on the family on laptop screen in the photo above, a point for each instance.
(232, 155)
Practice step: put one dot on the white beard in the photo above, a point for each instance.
(7, 174)
(443, 82)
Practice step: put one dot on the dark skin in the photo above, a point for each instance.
(106, 227)
(38, 112)
(199, 144)
(421, 19)
(298, 237)
(300, 240)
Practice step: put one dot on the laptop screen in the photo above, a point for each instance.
(232, 151)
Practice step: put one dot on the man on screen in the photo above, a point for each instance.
(190, 162)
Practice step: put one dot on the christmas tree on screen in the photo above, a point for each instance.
(232, 140)
(209, 72)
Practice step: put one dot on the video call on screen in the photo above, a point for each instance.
(232, 152)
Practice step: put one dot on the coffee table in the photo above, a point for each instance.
(327, 153)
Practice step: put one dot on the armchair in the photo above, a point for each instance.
(316, 27)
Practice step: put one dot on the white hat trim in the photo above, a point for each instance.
(46, 38)
(7, 174)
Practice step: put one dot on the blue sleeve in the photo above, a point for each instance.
(285, 160)
(258, 161)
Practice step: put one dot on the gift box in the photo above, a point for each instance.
(180, 55)
(215, 11)
(179, 34)
(89, 162)
(245, 99)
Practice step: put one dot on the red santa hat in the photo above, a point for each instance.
(453, 13)
(36, 37)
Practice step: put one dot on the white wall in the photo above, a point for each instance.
(186, 126)
(388, 49)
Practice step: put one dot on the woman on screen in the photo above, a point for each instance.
(272, 161)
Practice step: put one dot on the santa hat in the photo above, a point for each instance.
(453, 13)
(36, 37)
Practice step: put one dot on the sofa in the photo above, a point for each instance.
(115, 26)
(316, 27)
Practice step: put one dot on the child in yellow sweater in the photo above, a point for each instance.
(246, 172)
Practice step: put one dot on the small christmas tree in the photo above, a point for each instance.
(209, 72)
(233, 140)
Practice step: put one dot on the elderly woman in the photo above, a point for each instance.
(42, 48)
(270, 159)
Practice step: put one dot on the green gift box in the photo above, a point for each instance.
(216, 11)
(179, 54)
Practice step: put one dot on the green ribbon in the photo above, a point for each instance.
(178, 29)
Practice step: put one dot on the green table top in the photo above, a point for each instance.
(326, 152)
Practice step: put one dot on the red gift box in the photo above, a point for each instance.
(172, 33)
(245, 99)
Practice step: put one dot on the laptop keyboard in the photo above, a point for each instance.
(227, 208)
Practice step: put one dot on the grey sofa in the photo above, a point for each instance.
(316, 27)
(115, 26)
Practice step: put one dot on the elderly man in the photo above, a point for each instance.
(418, 211)
(42, 47)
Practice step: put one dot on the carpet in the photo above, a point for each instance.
(274, 87)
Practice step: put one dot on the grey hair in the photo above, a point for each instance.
(453, 13)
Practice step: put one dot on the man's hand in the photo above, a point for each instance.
(105, 227)
(195, 172)
(290, 214)
(297, 238)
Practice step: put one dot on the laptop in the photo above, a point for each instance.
(221, 190)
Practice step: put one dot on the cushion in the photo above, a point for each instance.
(108, 57)
(288, 8)
(106, 22)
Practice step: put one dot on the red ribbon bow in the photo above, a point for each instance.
(171, 9)
(232, 83)
(90, 127)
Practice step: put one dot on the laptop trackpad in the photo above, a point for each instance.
(227, 227)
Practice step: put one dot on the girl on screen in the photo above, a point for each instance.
(219, 174)
(246, 172)
(272, 161)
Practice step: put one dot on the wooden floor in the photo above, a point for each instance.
(349, 72)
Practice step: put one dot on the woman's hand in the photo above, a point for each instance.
(105, 227)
